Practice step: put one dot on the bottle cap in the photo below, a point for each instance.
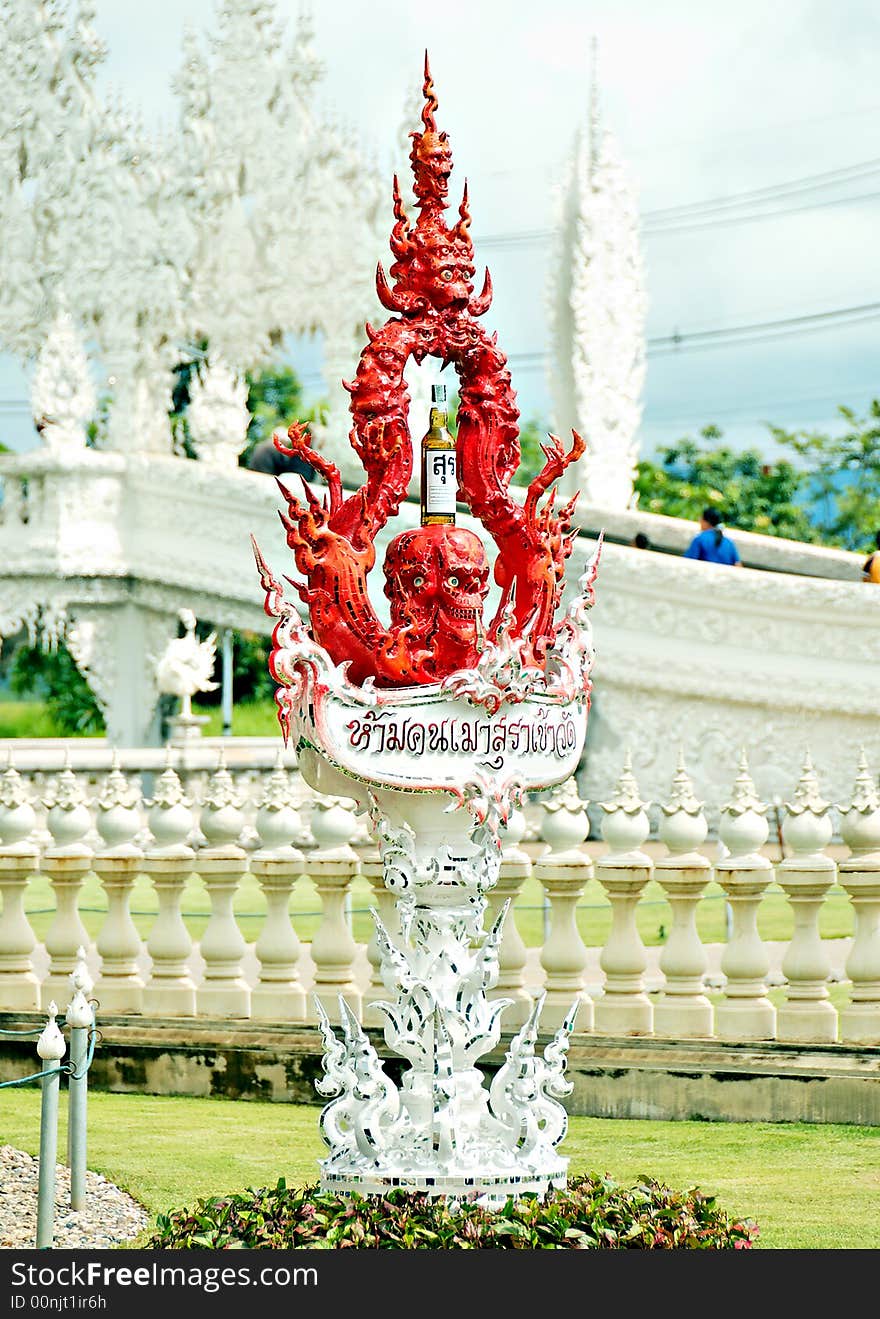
(438, 393)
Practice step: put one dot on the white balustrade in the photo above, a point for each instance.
(277, 865)
(222, 865)
(515, 869)
(683, 1011)
(624, 1007)
(332, 867)
(860, 877)
(117, 865)
(746, 1012)
(19, 861)
(805, 877)
(564, 875)
(170, 990)
(66, 864)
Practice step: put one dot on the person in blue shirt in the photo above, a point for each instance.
(710, 544)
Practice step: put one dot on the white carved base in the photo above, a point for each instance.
(813, 1021)
(441, 1131)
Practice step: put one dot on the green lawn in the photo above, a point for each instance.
(808, 1186)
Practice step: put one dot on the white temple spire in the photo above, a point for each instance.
(597, 314)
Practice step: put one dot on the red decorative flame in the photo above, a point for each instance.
(433, 630)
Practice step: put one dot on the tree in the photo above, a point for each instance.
(842, 487)
(748, 492)
(53, 675)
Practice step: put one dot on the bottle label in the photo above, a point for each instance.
(442, 484)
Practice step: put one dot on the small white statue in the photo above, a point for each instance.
(186, 665)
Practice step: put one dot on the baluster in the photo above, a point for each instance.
(117, 865)
(860, 877)
(624, 1008)
(221, 864)
(170, 990)
(66, 863)
(332, 866)
(745, 1013)
(277, 865)
(564, 876)
(683, 1010)
(19, 860)
(515, 868)
(805, 878)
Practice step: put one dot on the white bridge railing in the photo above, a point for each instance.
(243, 899)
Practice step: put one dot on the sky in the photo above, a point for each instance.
(707, 100)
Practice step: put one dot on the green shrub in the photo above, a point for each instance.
(593, 1213)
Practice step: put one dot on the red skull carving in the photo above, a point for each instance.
(437, 581)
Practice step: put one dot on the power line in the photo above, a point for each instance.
(807, 183)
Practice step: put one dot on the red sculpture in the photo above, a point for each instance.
(436, 576)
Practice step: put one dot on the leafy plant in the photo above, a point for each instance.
(842, 487)
(748, 492)
(53, 675)
(592, 1213)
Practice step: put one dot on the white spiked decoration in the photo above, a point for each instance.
(860, 816)
(277, 822)
(683, 826)
(17, 816)
(625, 823)
(218, 415)
(808, 827)
(80, 1012)
(743, 827)
(170, 817)
(221, 818)
(62, 392)
(69, 818)
(118, 818)
(565, 824)
(51, 1046)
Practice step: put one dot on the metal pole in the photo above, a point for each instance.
(226, 692)
(50, 1047)
(76, 1115)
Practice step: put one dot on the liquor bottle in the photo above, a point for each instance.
(439, 475)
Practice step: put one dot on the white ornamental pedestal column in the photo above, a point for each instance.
(683, 1011)
(170, 990)
(332, 866)
(277, 865)
(860, 876)
(224, 991)
(805, 877)
(117, 865)
(66, 864)
(565, 872)
(746, 1012)
(514, 870)
(624, 1008)
(19, 862)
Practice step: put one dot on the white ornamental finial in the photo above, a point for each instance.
(50, 1045)
(683, 826)
(807, 796)
(17, 816)
(80, 1011)
(743, 827)
(860, 816)
(62, 392)
(807, 827)
(625, 823)
(69, 818)
(277, 821)
(218, 415)
(221, 818)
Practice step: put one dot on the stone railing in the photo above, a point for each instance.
(162, 868)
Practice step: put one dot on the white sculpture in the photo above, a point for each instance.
(597, 313)
(184, 668)
(62, 391)
(236, 227)
(218, 414)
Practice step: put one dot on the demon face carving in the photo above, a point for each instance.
(437, 578)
